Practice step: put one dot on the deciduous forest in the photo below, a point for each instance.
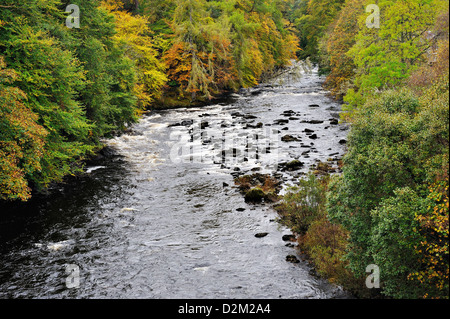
(63, 90)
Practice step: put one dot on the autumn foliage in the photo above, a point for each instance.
(22, 139)
(433, 249)
(64, 89)
(219, 46)
(134, 34)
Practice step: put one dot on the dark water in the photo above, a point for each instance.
(157, 219)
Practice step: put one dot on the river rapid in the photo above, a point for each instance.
(158, 215)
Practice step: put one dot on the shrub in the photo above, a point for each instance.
(304, 203)
(325, 243)
(257, 187)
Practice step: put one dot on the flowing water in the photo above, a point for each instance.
(160, 217)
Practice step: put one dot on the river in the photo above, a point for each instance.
(159, 215)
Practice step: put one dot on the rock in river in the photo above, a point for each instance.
(183, 123)
(255, 195)
(288, 113)
(288, 238)
(313, 121)
(289, 138)
(280, 122)
(291, 166)
(204, 125)
(292, 259)
(334, 122)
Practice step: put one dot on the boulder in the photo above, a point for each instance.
(334, 122)
(292, 259)
(255, 195)
(183, 123)
(291, 166)
(288, 113)
(259, 125)
(312, 121)
(280, 122)
(289, 138)
(204, 125)
(288, 238)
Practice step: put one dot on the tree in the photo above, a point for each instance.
(22, 140)
(261, 38)
(51, 77)
(433, 248)
(340, 38)
(379, 160)
(78, 82)
(313, 18)
(397, 147)
(385, 57)
(393, 239)
(221, 45)
(133, 33)
(200, 52)
(108, 94)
